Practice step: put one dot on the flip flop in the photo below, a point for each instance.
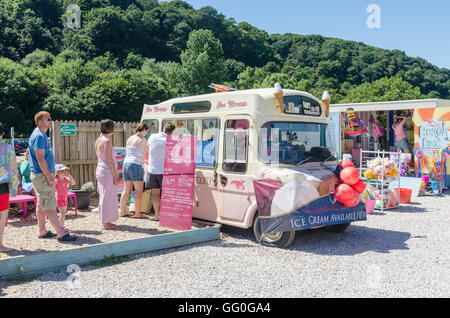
(110, 228)
(47, 235)
(6, 249)
(127, 215)
(139, 217)
(67, 238)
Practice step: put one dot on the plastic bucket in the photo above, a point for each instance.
(370, 206)
(405, 195)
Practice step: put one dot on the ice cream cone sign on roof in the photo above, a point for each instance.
(326, 102)
(279, 96)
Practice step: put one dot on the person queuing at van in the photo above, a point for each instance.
(107, 176)
(7, 170)
(25, 182)
(133, 171)
(63, 181)
(42, 166)
(400, 137)
(157, 149)
(25, 171)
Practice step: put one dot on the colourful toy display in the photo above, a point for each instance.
(377, 166)
(389, 200)
(355, 126)
(405, 162)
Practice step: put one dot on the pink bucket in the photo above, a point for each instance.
(370, 206)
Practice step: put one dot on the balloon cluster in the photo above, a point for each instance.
(352, 185)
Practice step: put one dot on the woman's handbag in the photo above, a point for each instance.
(378, 130)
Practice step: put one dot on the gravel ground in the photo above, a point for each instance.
(21, 234)
(398, 253)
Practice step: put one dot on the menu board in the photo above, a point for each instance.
(177, 192)
(334, 133)
(180, 155)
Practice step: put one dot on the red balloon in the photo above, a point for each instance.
(344, 193)
(346, 164)
(359, 186)
(349, 175)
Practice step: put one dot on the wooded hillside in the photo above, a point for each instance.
(131, 52)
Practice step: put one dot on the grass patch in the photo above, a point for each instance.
(110, 261)
(21, 279)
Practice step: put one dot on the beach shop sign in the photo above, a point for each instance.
(433, 134)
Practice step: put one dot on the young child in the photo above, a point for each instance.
(63, 180)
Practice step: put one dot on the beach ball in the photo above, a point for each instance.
(344, 193)
(346, 163)
(353, 201)
(349, 175)
(359, 186)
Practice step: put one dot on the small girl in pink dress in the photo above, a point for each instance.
(63, 180)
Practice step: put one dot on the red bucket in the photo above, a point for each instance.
(405, 195)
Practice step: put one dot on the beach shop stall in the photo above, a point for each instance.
(426, 130)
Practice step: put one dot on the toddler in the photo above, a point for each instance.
(63, 180)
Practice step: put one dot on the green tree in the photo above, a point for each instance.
(385, 89)
(22, 30)
(201, 63)
(38, 59)
(20, 95)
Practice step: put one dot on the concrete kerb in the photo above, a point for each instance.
(59, 260)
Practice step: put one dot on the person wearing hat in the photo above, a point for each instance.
(63, 180)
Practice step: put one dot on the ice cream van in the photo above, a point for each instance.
(263, 160)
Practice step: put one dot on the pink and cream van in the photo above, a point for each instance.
(245, 136)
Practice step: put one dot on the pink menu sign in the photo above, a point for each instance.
(178, 183)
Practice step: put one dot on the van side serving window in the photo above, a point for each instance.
(207, 132)
(153, 126)
(301, 105)
(236, 146)
(193, 107)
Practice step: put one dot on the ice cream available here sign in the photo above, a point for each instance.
(433, 134)
(322, 211)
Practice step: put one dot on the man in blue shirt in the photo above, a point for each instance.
(42, 166)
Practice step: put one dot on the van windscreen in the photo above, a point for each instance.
(293, 142)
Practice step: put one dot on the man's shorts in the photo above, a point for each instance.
(132, 172)
(45, 194)
(402, 144)
(154, 181)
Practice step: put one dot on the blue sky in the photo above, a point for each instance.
(421, 28)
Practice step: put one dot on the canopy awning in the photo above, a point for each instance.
(394, 105)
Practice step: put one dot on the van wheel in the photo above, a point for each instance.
(337, 228)
(278, 239)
